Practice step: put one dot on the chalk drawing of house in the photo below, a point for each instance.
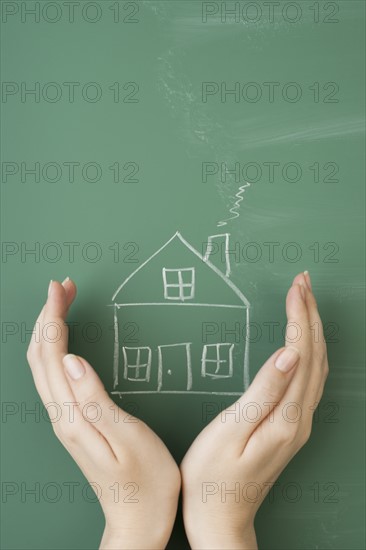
(180, 324)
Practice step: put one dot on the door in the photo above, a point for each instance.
(174, 369)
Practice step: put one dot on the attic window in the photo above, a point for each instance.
(217, 360)
(137, 363)
(178, 284)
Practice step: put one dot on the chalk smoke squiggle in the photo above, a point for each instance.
(234, 209)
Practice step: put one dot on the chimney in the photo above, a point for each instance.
(217, 252)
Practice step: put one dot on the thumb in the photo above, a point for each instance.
(93, 400)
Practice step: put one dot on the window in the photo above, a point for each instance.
(217, 360)
(178, 283)
(137, 363)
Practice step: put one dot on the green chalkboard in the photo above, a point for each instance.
(212, 149)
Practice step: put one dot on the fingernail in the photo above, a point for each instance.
(49, 287)
(307, 279)
(74, 368)
(65, 280)
(287, 359)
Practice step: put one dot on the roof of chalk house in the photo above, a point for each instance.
(145, 285)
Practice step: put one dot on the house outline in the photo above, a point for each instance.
(230, 284)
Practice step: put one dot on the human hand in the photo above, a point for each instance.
(130, 469)
(234, 461)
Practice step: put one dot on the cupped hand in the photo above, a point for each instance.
(234, 461)
(131, 471)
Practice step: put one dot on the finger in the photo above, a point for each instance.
(315, 323)
(39, 378)
(56, 306)
(71, 291)
(36, 335)
(54, 348)
(320, 367)
(33, 352)
(35, 340)
(312, 306)
(86, 444)
(54, 344)
(296, 312)
(96, 405)
(35, 360)
(297, 404)
(54, 328)
(238, 422)
(320, 391)
(298, 335)
(315, 391)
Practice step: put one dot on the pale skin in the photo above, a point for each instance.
(244, 448)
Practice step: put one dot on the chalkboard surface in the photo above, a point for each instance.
(205, 151)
